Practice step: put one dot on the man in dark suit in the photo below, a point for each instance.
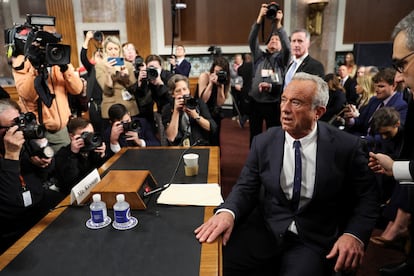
(301, 60)
(386, 95)
(349, 84)
(287, 221)
(178, 62)
(403, 61)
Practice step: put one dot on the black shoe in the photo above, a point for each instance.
(399, 269)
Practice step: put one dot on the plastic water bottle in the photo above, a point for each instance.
(122, 212)
(98, 210)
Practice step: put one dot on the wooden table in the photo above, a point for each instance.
(210, 262)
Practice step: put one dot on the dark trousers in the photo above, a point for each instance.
(253, 250)
(263, 112)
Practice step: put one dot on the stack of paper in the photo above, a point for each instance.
(192, 194)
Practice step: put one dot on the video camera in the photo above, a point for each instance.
(91, 140)
(28, 125)
(272, 9)
(39, 46)
(190, 102)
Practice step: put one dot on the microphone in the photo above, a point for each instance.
(165, 186)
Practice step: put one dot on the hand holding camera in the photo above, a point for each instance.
(13, 142)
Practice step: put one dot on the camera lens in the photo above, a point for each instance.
(56, 54)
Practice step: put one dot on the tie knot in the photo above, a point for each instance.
(296, 144)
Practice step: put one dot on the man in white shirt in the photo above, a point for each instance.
(403, 61)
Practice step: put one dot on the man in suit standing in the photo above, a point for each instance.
(301, 60)
(349, 84)
(298, 211)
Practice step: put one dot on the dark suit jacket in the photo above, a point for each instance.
(351, 94)
(345, 197)
(311, 66)
(363, 121)
(183, 69)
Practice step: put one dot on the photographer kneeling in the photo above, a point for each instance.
(188, 120)
(23, 198)
(125, 132)
(85, 152)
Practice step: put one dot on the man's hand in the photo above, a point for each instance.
(40, 162)
(13, 143)
(349, 252)
(222, 222)
(76, 143)
(101, 150)
(380, 163)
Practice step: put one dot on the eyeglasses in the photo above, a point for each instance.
(399, 64)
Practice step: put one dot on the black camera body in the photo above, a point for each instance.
(222, 77)
(152, 73)
(91, 140)
(131, 126)
(28, 125)
(190, 102)
(98, 36)
(272, 9)
(57, 54)
(36, 150)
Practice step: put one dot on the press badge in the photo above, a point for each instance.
(27, 198)
(186, 142)
(265, 73)
(126, 96)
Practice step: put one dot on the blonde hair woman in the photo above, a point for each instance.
(365, 90)
(115, 78)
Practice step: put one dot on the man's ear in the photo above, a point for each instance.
(320, 110)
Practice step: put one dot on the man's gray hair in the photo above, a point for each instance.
(6, 104)
(406, 24)
(322, 91)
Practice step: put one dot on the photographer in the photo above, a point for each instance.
(213, 88)
(151, 88)
(115, 78)
(43, 88)
(187, 120)
(125, 132)
(268, 75)
(85, 152)
(93, 90)
(23, 199)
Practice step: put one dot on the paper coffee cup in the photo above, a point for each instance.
(190, 164)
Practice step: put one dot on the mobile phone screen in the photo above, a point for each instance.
(119, 60)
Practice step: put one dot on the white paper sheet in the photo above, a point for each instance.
(205, 194)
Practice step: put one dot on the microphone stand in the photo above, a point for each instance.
(165, 186)
(173, 15)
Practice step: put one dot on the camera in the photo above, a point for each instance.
(91, 140)
(98, 36)
(41, 47)
(152, 73)
(28, 125)
(190, 102)
(222, 77)
(57, 54)
(272, 9)
(131, 126)
(38, 148)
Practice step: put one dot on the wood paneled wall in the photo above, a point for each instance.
(65, 24)
(214, 22)
(373, 21)
(138, 27)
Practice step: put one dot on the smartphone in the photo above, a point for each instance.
(119, 60)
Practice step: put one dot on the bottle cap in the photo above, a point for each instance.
(96, 197)
(120, 197)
